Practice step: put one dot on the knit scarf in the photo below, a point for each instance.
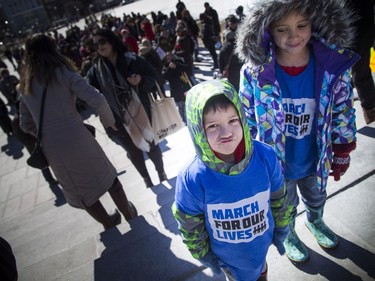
(125, 102)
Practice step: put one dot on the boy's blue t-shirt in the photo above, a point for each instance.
(299, 111)
(237, 209)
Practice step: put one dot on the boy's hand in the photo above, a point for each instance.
(340, 165)
(279, 236)
(211, 261)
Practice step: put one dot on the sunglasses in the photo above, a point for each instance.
(101, 41)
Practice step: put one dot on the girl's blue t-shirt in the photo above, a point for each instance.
(299, 111)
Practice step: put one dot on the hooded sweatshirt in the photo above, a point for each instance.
(225, 207)
(332, 35)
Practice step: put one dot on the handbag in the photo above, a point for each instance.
(166, 119)
(37, 158)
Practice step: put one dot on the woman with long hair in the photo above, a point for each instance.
(126, 80)
(77, 160)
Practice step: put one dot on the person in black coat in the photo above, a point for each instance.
(5, 121)
(364, 40)
(148, 52)
(212, 13)
(117, 73)
(229, 63)
(175, 73)
(209, 37)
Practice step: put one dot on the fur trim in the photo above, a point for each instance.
(331, 20)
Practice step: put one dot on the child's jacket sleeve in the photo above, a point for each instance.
(281, 207)
(193, 231)
(343, 112)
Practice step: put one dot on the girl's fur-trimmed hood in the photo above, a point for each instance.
(330, 20)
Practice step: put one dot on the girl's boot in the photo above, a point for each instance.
(162, 176)
(48, 176)
(98, 212)
(295, 250)
(148, 182)
(325, 237)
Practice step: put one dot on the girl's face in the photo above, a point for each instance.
(102, 46)
(223, 131)
(291, 34)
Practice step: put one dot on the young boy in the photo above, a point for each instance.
(298, 98)
(230, 201)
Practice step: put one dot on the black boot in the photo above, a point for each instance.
(162, 176)
(48, 176)
(118, 196)
(98, 212)
(148, 182)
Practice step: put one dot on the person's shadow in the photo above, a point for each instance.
(367, 131)
(320, 265)
(143, 253)
(13, 148)
(363, 258)
(165, 197)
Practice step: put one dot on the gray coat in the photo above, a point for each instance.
(77, 160)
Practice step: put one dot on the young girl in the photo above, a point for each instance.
(298, 98)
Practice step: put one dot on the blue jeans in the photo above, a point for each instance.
(181, 110)
(311, 194)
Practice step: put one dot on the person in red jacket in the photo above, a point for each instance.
(147, 28)
(129, 41)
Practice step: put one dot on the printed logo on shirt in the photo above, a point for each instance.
(241, 221)
(299, 116)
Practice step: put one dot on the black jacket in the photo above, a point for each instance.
(133, 65)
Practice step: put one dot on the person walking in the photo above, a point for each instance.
(298, 98)
(148, 52)
(8, 84)
(5, 121)
(229, 63)
(193, 30)
(126, 79)
(361, 73)
(184, 48)
(174, 72)
(77, 160)
(209, 38)
(213, 15)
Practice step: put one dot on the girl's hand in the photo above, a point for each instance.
(134, 79)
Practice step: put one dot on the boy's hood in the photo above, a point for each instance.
(331, 20)
(196, 100)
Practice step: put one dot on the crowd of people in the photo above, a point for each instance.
(122, 58)
(114, 64)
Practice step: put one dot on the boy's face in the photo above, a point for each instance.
(224, 131)
(292, 33)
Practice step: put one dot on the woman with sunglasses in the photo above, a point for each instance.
(77, 160)
(126, 80)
